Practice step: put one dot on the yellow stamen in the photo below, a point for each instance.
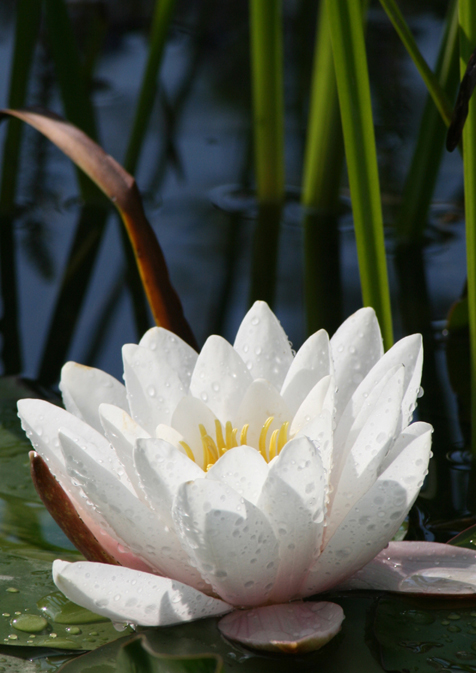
(220, 441)
(244, 433)
(272, 444)
(230, 436)
(262, 437)
(210, 451)
(283, 436)
(209, 466)
(188, 450)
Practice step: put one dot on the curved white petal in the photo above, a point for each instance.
(319, 431)
(140, 529)
(312, 362)
(361, 466)
(293, 628)
(261, 401)
(263, 345)
(293, 500)
(407, 352)
(189, 414)
(243, 469)
(418, 567)
(84, 388)
(153, 387)
(229, 539)
(168, 346)
(126, 595)
(123, 432)
(356, 347)
(321, 397)
(375, 518)
(220, 378)
(161, 469)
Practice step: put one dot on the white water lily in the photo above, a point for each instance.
(241, 477)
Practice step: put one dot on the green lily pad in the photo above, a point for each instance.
(177, 646)
(425, 635)
(34, 613)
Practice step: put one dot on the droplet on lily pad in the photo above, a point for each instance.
(29, 623)
(58, 608)
(73, 630)
(13, 590)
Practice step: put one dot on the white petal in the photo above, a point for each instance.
(261, 401)
(321, 397)
(189, 414)
(180, 356)
(356, 347)
(153, 387)
(123, 432)
(407, 352)
(243, 469)
(230, 540)
(293, 499)
(220, 378)
(361, 466)
(312, 362)
(263, 345)
(140, 529)
(162, 469)
(84, 388)
(126, 595)
(319, 431)
(293, 628)
(419, 567)
(375, 519)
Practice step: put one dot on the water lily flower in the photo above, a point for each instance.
(243, 477)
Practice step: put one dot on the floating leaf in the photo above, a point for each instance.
(34, 613)
(426, 635)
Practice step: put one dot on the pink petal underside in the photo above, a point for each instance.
(290, 628)
(418, 567)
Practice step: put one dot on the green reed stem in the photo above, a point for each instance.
(323, 163)
(426, 160)
(347, 33)
(160, 25)
(268, 121)
(439, 97)
(467, 20)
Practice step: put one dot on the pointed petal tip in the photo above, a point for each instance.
(291, 628)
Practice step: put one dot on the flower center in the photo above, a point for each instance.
(213, 448)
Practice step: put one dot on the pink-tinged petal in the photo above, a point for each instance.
(126, 595)
(189, 414)
(153, 387)
(356, 347)
(260, 401)
(167, 345)
(84, 388)
(63, 511)
(263, 345)
(220, 378)
(243, 469)
(162, 469)
(293, 499)
(123, 432)
(312, 362)
(375, 518)
(407, 352)
(293, 628)
(319, 431)
(229, 539)
(321, 397)
(362, 464)
(140, 529)
(418, 567)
